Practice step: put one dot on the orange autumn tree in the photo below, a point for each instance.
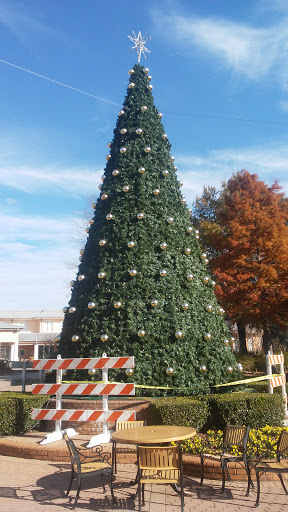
(248, 240)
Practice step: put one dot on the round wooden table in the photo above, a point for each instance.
(153, 434)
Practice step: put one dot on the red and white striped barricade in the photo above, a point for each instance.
(103, 389)
(274, 382)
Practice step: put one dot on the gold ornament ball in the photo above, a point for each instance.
(109, 216)
(226, 342)
(82, 251)
(206, 261)
(154, 303)
(144, 108)
(80, 258)
(72, 283)
(165, 173)
(163, 246)
(123, 131)
(102, 177)
(108, 157)
(81, 277)
(139, 131)
(123, 150)
(207, 336)
(104, 337)
(126, 188)
(141, 333)
(175, 169)
(72, 309)
(232, 339)
(92, 371)
(101, 275)
(229, 369)
(117, 305)
(213, 283)
(169, 371)
(172, 158)
(204, 255)
(109, 145)
(149, 78)
(91, 305)
(56, 339)
(187, 251)
(141, 170)
(164, 136)
(160, 115)
(64, 310)
(121, 113)
(197, 237)
(131, 71)
(203, 369)
(129, 371)
(170, 220)
(102, 242)
(209, 308)
(178, 334)
(75, 338)
(183, 199)
(87, 230)
(140, 216)
(206, 280)
(91, 221)
(163, 272)
(147, 149)
(190, 277)
(131, 244)
(156, 191)
(221, 311)
(146, 71)
(185, 306)
(99, 187)
(189, 230)
(48, 371)
(150, 87)
(131, 85)
(94, 206)
(240, 367)
(133, 272)
(115, 172)
(104, 196)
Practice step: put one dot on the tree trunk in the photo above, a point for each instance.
(242, 339)
(266, 337)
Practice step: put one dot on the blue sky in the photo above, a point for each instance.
(220, 78)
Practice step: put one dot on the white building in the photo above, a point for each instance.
(29, 334)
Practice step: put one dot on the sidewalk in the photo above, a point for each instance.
(29, 485)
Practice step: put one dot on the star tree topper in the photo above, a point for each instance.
(139, 43)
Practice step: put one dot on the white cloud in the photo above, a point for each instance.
(269, 162)
(245, 49)
(75, 180)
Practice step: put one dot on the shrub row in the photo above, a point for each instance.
(216, 411)
(15, 412)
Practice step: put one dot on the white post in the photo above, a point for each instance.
(283, 385)
(36, 351)
(269, 372)
(105, 397)
(58, 397)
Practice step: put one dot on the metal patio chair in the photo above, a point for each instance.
(159, 465)
(234, 435)
(86, 462)
(272, 466)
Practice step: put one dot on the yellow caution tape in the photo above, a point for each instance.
(248, 381)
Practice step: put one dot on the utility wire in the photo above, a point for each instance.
(239, 119)
(60, 83)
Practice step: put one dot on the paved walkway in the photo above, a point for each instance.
(36, 486)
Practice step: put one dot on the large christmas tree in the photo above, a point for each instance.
(143, 287)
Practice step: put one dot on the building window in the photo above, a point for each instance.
(4, 351)
(46, 352)
(47, 326)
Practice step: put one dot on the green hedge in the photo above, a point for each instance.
(216, 411)
(15, 412)
(187, 412)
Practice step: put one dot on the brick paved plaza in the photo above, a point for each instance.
(29, 485)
